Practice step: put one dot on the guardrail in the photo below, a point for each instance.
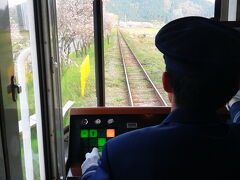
(33, 118)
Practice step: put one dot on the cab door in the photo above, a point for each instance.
(29, 97)
(2, 165)
(10, 143)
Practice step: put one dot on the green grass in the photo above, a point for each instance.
(30, 93)
(70, 81)
(119, 99)
(35, 153)
(35, 156)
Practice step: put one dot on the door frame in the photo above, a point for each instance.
(2, 159)
(50, 90)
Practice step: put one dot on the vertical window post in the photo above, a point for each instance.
(221, 10)
(99, 51)
(217, 11)
(224, 10)
(238, 11)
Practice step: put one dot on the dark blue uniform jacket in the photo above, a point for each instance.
(185, 145)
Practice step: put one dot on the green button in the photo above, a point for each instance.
(101, 141)
(93, 142)
(100, 149)
(93, 133)
(101, 133)
(84, 133)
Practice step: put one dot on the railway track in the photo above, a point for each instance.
(141, 90)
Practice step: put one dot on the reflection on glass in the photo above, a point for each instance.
(136, 23)
(76, 50)
(29, 113)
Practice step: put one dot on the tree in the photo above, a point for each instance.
(75, 27)
(109, 21)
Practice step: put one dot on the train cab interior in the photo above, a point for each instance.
(77, 73)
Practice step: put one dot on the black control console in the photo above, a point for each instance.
(93, 127)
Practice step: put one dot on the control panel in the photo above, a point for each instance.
(93, 127)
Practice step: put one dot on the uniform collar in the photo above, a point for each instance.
(192, 117)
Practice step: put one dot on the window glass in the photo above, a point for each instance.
(24, 53)
(130, 27)
(76, 51)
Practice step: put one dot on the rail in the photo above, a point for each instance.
(161, 99)
(125, 72)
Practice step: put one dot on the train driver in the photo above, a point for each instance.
(202, 74)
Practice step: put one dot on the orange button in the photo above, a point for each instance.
(110, 133)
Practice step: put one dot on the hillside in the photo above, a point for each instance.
(158, 10)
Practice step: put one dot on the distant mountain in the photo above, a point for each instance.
(158, 10)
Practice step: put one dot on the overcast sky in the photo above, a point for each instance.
(15, 2)
(212, 1)
(12, 3)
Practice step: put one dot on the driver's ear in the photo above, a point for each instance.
(166, 83)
